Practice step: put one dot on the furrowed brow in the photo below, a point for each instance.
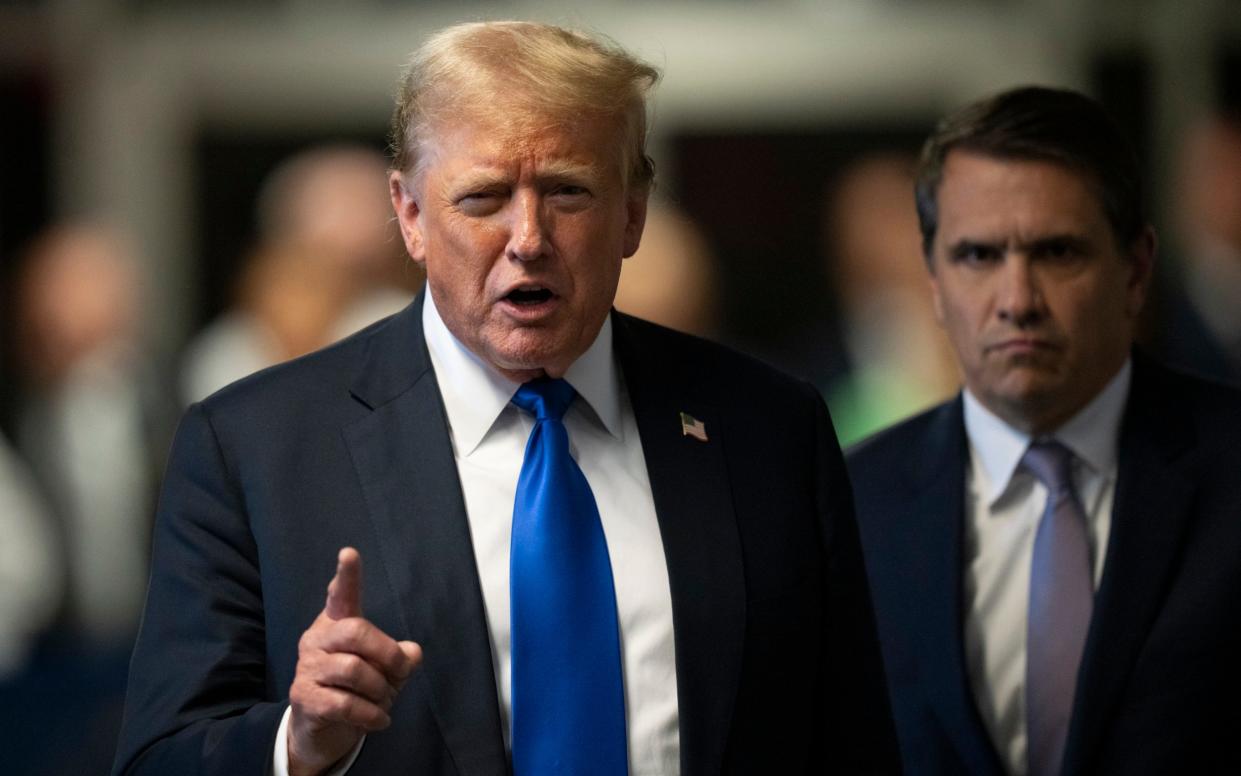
(479, 179)
(966, 245)
(1074, 241)
(565, 170)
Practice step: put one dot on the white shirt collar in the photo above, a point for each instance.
(1092, 434)
(475, 394)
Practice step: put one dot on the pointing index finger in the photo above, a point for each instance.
(344, 593)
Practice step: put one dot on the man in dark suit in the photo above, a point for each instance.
(734, 633)
(1055, 554)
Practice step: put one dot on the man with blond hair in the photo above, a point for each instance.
(589, 547)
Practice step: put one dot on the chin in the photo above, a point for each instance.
(529, 358)
(1033, 374)
(1037, 408)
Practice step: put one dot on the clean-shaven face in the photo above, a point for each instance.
(1037, 297)
(522, 229)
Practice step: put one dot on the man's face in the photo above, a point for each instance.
(1028, 280)
(522, 233)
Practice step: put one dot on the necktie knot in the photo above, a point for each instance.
(545, 398)
(1051, 463)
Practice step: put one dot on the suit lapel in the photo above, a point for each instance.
(1149, 516)
(693, 503)
(931, 532)
(405, 464)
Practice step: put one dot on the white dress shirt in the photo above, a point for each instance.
(489, 440)
(1003, 508)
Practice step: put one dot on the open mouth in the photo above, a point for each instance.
(529, 296)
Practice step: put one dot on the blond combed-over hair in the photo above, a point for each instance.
(521, 71)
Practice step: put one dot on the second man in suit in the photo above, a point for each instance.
(1055, 554)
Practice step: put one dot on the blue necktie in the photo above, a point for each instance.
(1061, 600)
(568, 700)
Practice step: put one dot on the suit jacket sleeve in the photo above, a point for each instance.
(857, 718)
(198, 700)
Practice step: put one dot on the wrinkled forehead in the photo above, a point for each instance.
(507, 133)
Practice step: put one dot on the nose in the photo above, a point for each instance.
(528, 232)
(1020, 301)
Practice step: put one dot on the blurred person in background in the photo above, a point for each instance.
(1199, 321)
(327, 263)
(900, 361)
(31, 575)
(93, 421)
(289, 299)
(671, 280)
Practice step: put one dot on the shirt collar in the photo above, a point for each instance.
(475, 394)
(1092, 434)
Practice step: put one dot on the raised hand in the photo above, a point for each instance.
(348, 674)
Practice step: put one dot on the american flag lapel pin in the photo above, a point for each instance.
(692, 426)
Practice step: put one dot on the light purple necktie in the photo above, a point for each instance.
(1061, 598)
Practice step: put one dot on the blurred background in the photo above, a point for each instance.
(191, 191)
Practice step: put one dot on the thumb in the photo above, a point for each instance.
(413, 657)
(344, 593)
(412, 650)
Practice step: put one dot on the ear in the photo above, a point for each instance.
(1142, 253)
(635, 220)
(405, 203)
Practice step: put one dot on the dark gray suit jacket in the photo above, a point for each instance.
(778, 669)
(1160, 676)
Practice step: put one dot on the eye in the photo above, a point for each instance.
(1058, 250)
(570, 195)
(479, 203)
(975, 254)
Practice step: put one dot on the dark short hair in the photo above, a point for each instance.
(1039, 124)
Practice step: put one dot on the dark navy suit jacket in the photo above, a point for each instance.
(778, 669)
(1159, 685)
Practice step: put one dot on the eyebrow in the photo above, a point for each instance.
(1072, 240)
(556, 170)
(964, 244)
(1077, 241)
(479, 179)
